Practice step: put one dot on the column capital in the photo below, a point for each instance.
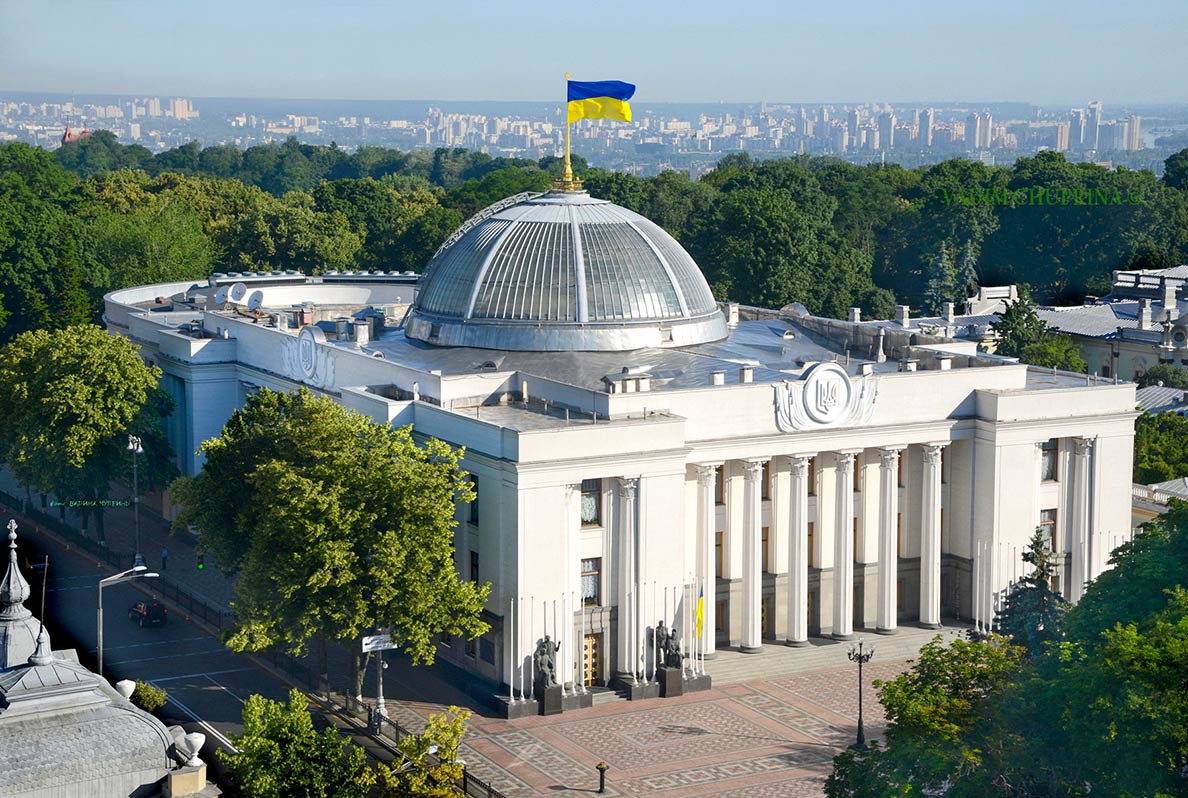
(932, 452)
(800, 463)
(753, 469)
(707, 473)
(890, 456)
(1084, 446)
(845, 459)
(628, 486)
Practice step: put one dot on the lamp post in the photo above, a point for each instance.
(862, 656)
(135, 572)
(135, 447)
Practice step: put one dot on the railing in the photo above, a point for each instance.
(1151, 495)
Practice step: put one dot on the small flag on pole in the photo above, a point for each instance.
(700, 608)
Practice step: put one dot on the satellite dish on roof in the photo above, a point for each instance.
(237, 292)
(220, 296)
(255, 300)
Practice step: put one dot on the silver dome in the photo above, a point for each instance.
(563, 271)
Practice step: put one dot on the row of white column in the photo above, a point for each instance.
(843, 543)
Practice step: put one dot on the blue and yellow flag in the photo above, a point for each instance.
(600, 99)
(700, 609)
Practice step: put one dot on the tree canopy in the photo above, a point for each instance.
(337, 526)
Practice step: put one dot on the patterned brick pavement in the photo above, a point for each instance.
(771, 738)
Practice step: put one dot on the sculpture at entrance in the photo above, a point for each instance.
(668, 647)
(544, 661)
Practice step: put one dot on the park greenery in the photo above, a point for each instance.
(96, 215)
(148, 696)
(337, 526)
(1064, 701)
(68, 400)
(281, 754)
(1023, 334)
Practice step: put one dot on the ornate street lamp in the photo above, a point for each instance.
(862, 656)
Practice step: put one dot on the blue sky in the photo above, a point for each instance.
(1045, 51)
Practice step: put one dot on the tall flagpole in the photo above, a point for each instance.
(568, 175)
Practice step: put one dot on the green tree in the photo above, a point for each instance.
(341, 526)
(1033, 614)
(422, 774)
(281, 755)
(942, 282)
(1018, 326)
(64, 395)
(1160, 447)
(1055, 350)
(1164, 374)
(1175, 171)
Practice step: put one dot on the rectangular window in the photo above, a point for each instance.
(764, 567)
(1049, 451)
(766, 486)
(720, 485)
(718, 553)
(1047, 527)
(474, 569)
(812, 476)
(474, 504)
(1105, 371)
(592, 582)
(591, 502)
(471, 648)
(812, 552)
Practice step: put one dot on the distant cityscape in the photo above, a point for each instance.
(683, 137)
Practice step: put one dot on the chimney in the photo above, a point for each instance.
(282, 321)
(1169, 299)
(362, 333)
(342, 328)
(855, 315)
(732, 313)
(746, 374)
(949, 315)
(524, 390)
(717, 378)
(1144, 315)
(902, 314)
(944, 362)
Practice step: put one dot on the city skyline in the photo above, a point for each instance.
(915, 52)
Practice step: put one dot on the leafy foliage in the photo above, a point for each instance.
(1160, 447)
(1033, 614)
(1101, 712)
(418, 776)
(281, 755)
(148, 697)
(1164, 374)
(341, 526)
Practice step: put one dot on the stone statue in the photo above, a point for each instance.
(672, 650)
(544, 660)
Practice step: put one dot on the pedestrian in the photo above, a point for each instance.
(164, 559)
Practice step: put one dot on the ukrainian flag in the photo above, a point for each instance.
(600, 99)
(700, 609)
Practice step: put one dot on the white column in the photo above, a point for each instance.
(930, 533)
(843, 547)
(707, 514)
(628, 597)
(1079, 531)
(888, 540)
(752, 610)
(798, 553)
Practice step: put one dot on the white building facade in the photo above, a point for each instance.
(634, 446)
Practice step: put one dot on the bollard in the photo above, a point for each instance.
(602, 768)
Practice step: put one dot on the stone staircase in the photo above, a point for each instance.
(730, 666)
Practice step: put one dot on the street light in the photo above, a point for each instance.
(135, 572)
(135, 447)
(861, 656)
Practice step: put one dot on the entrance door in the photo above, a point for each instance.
(592, 659)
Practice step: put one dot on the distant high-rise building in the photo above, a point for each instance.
(1076, 130)
(180, 108)
(1062, 131)
(887, 130)
(839, 138)
(1134, 139)
(973, 131)
(154, 106)
(985, 131)
(927, 120)
(855, 122)
(1093, 126)
(825, 114)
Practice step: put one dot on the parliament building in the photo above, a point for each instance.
(640, 449)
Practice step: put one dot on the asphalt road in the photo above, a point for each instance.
(207, 684)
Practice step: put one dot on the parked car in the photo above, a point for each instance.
(148, 613)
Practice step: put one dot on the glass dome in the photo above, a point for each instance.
(563, 271)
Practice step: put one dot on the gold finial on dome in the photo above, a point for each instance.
(567, 182)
